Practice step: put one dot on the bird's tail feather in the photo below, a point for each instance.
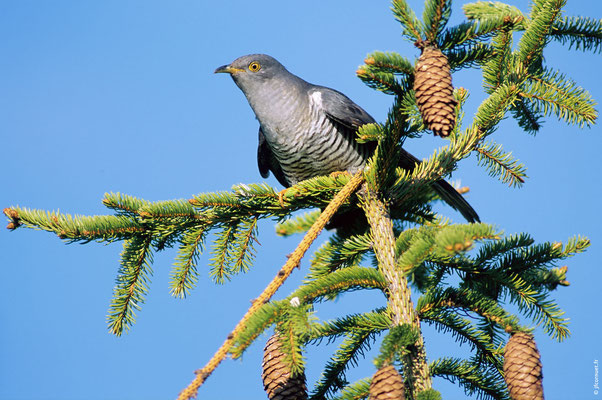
(455, 200)
(446, 191)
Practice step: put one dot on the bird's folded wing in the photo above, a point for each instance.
(340, 108)
(267, 162)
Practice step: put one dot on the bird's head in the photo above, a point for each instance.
(254, 71)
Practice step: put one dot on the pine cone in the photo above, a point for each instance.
(522, 368)
(387, 384)
(434, 90)
(278, 381)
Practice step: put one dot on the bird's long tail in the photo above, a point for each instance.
(455, 200)
(446, 191)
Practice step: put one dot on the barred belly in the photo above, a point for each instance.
(324, 149)
(304, 140)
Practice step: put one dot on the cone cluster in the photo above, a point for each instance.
(387, 384)
(278, 382)
(434, 91)
(522, 368)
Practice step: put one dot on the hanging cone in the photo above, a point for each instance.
(434, 90)
(522, 368)
(387, 384)
(278, 382)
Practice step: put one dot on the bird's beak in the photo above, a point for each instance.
(227, 69)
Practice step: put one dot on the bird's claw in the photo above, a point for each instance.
(281, 197)
(338, 173)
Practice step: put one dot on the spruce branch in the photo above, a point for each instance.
(123, 203)
(358, 390)
(430, 394)
(245, 240)
(184, 275)
(247, 200)
(496, 69)
(201, 375)
(527, 114)
(553, 93)
(81, 229)
(491, 9)
(233, 249)
(536, 36)
(493, 109)
(486, 383)
(450, 240)
(131, 283)
(171, 210)
(333, 377)
(434, 18)
(370, 133)
(519, 273)
(491, 252)
(390, 62)
(416, 250)
(575, 245)
(468, 56)
(377, 79)
(535, 305)
(469, 300)
(314, 192)
(266, 315)
(347, 279)
(226, 199)
(582, 33)
(501, 164)
(476, 32)
(382, 166)
(371, 322)
(292, 329)
(338, 253)
(413, 120)
(524, 259)
(396, 345)
(449, 321)
(535, 7)
(298, 224)
(222, 248)
(412, 188)
(405, 15)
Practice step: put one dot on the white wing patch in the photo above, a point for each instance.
(316, 99)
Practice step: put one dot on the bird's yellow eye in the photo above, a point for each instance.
(254, 66)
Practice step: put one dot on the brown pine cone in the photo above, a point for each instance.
(434, 90)
(278, 381)
(387, 384)
(522, 368)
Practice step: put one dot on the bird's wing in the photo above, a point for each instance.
(340, 108)
(267, 162)
(345, 112)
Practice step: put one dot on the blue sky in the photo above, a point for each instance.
(120, 96)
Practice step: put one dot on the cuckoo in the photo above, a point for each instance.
(307, 130)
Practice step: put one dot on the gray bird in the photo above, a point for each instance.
(307, 130)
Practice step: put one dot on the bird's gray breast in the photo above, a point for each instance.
(304, 140)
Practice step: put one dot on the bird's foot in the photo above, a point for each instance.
(338, 173)
(281, 197)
